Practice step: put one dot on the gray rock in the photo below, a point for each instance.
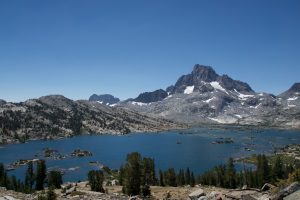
(69, 191)
(267, 187)
(149, 97)
(291, 188)
(2, 102)
(291, 91)
(196, 194)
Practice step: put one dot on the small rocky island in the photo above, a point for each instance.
(81, 153)
(223, 141)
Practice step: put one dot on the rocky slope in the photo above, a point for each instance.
(56, 116)
(2, 102)
(203, 96)
(148, 97)
(105, 99)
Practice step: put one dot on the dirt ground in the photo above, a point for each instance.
(164, 192)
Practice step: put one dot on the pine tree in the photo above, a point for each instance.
(161, 179)
(170, 177)
(96, 179)
(29, 177)
(14, 183)
(133, 171)
(2, 175)
(181, 178)
(55, 179)
(121, 175)
(40, 175)
(192, 182)
(277, 171)
(148, 172)
(187, 176)
(51, 194)
(230, 174)
(262, 170)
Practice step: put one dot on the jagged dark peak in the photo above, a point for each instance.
(200, 73)
(2, 102)
(204, 73)
(230, 84)
(292, 91)
(170, 89)
(295, 88)
(148, 97)
(104, 99)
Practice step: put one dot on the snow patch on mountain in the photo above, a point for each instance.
(139, 103)
(224, 120)
(243, 96)
(217, 86)
(239, 116)
(209, 100)
(292, 98)
(189, 89)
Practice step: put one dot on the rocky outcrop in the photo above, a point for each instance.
(196, 194)
(2, 102)
(292, 92)
(149, 97)
(292, 188)
(105, 99)
(56, 116)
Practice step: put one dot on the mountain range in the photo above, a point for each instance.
(205, 97)
(201, 97)
(55, 116)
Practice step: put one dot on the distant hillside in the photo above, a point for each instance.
(56, 116)
(105, 99)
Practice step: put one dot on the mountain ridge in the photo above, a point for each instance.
(106, 99)
(203, 96)
(55, 116)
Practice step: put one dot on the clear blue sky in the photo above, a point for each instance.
(77, 48)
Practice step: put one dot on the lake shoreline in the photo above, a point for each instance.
(179, 129)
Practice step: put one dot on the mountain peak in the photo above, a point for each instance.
(204, 73)
(295, 88)
(202, 76)
(148, 97)
(106, 99)
(291, 92)
(2, 102)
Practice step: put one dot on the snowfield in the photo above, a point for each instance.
(189, 89)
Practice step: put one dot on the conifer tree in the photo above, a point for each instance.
(192, 182)
(230, 174)
(187, 176)
(133, 171)
(55, 179)
(40, 175)
(161, 179)
(277, 171)
(96, 178)
(29, 177)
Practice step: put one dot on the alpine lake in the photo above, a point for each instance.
(200, 149)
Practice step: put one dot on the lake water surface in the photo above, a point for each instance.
(191, 148)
